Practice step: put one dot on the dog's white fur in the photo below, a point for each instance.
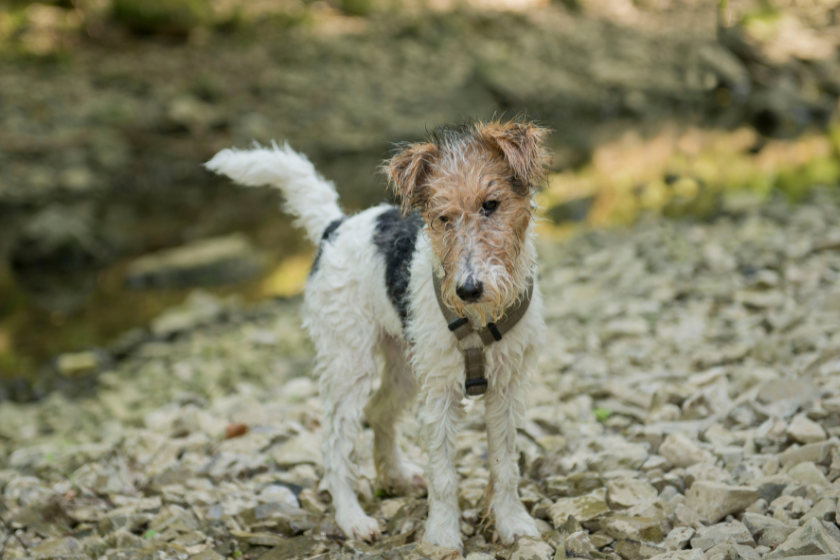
(350, 317)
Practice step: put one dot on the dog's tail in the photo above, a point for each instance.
(309, 197)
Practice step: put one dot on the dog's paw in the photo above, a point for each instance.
(446, 535)
(512, 525)
(404, 479)
(357, 525)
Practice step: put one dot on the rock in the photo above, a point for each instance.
(786, 396)
(734, 532)
(221, 260)
(824, 510)
(633, 528)
(623, 493)
(810, 539)
(630, 457)
(678, 538)
(530, 548)
(62, 547)
(78, 363)
(297, 547)
(681, 555)
(808, 473)
(682, 452)
(714, 501)
(571, 486)
(635, 550)
(687, 516)
(707, 472)
(300, 449)
(578, 545)
(200, 308)
(583, 508)
(771, 487)
(742, 552)
(818, 453)
(767, 531)
(208, 554)
(804, 430)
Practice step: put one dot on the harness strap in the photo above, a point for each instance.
(476, 382)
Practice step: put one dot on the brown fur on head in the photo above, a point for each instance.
(455, 180)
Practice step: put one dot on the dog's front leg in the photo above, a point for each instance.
(441, 413)
(504, 407)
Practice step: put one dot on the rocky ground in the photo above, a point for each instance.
(687, 407)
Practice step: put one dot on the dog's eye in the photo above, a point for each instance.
(489, 207)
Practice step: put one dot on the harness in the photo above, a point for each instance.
(476, 383)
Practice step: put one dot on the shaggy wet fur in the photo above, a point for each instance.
(449, 179)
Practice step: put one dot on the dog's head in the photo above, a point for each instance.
(474, 187)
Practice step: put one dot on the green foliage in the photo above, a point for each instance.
(162, 17)
(602, 413)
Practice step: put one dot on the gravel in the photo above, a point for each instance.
(709, 434)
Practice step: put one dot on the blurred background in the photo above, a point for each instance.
(109, 107)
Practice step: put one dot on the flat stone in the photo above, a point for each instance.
(635, 550)
(634, 528)
(804, 430)
(771, 487)
(530, 548)
(300, 449)
(625, 493)
(687, 516)
(767, 531)
(808, 473)
(682, 452)
(621, 457)
(692, 554)
(573, 485)
(819, 453)
(208, 554)
(734, 532)
(66, 546)
(742, 552)
(298, 547)
(705, 471)
(221, 260)
(810, 539)
(583, 508)
(824, 510)
(714, 501)
(678, 538)
(579, 545)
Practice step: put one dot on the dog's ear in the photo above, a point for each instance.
(521, 145)
(409, 172)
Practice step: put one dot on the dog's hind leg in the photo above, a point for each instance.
(347, 365)
(397, 475)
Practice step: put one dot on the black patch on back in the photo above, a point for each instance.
(395, 237)
(326, 237)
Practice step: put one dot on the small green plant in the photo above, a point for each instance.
(602, 413)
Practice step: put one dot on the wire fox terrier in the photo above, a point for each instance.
(445, 287)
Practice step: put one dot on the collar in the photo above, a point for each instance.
(476, 382)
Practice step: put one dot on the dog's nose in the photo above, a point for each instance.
(470, 290)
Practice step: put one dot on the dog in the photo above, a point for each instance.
(429, 285)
